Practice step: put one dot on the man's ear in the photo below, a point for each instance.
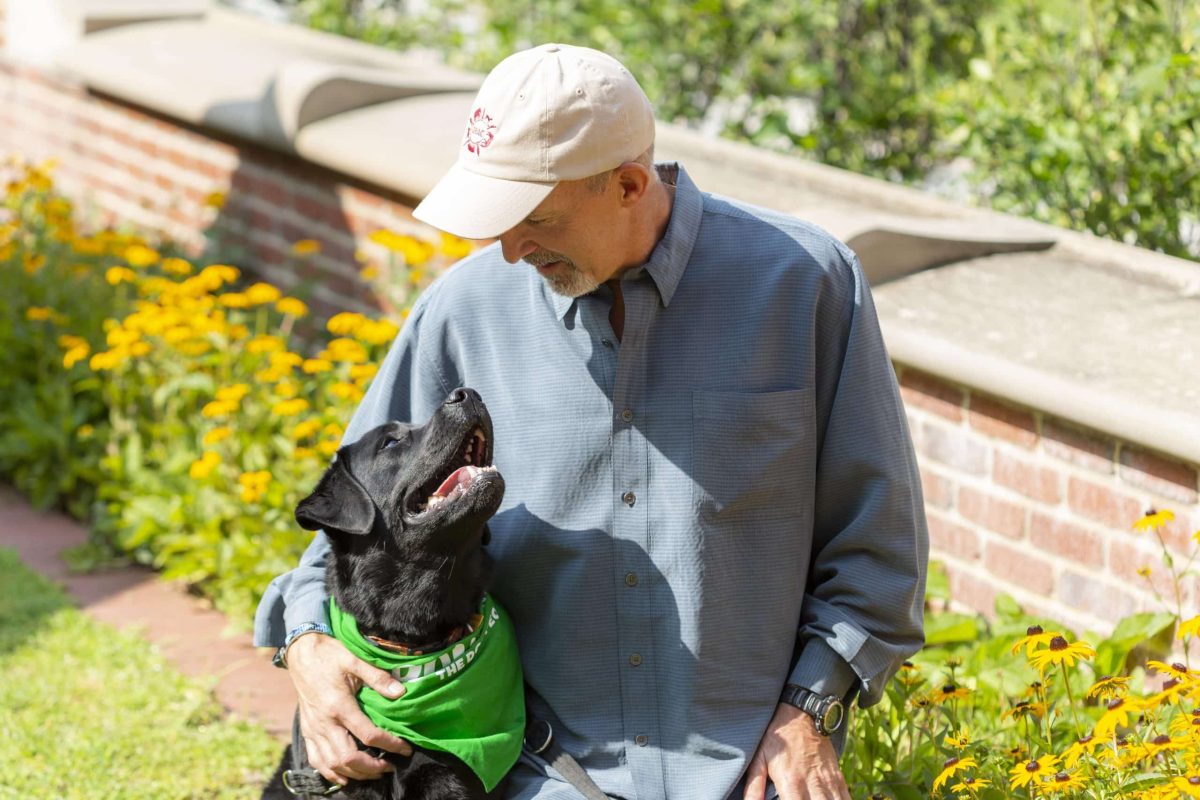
(339, 503)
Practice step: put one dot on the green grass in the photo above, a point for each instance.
(87, 711)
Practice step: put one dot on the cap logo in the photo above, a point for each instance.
(480, 131)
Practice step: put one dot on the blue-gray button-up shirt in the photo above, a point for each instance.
(722, 501)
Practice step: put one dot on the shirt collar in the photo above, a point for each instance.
(670, 256)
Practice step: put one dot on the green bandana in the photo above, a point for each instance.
(467, 700)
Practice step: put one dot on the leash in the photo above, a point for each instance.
(302, 780)
(540, 741)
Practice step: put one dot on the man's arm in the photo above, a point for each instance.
(293, 613)
(863, 609)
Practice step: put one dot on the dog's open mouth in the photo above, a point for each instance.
(471, 461)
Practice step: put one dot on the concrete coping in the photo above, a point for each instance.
(394, 120)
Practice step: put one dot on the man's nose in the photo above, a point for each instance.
(515, 245)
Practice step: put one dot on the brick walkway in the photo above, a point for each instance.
(192, 636)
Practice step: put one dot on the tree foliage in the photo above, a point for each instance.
(1082, 114)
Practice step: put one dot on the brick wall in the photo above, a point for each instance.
(1034, 506)
(1017, 501)
(131, 166)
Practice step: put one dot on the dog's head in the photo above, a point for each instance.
(430, 488)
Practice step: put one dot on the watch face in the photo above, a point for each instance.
(831, 720)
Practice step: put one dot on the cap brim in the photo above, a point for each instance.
(474, 206)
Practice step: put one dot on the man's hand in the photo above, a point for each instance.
(799, 761)
(327, 677)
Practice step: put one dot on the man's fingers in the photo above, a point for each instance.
(378, 679)
(756, 779)
(361, 726)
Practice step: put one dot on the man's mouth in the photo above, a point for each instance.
(472, 460)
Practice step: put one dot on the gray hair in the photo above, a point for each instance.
(599, 182)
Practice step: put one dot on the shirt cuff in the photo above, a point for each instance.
(308, 627)
(821, 670)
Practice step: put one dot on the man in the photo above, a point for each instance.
(713, 532)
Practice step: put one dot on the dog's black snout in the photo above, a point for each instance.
(461, 395)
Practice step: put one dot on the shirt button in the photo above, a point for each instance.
(631, 579)
(627, 415)
(636, 659)
(629, 497)
(606, 342)
(641, 740)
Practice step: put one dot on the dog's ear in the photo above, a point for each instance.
(339, 503)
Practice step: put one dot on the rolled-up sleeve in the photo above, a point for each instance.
(863, 608)
(408, 386)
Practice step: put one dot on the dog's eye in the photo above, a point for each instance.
(389, 442)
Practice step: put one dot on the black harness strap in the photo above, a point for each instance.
(302, 780)
(540, 741)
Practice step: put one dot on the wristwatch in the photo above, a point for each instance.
(827, 711)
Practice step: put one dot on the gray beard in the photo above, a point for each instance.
(569, 281)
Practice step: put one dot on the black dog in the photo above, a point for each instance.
(405, 509)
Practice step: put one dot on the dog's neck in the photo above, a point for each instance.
(414, 602)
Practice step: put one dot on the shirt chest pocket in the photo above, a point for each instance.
(753, 453)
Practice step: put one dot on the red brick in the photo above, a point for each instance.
(1102, 504)
(1167, 477)
(1125, 558)
(937, 489)
(1019, 566)
(1082, 448)
(1001, 421)
(1093, 596)
(1062, 538)
(1025, 477)
(995, 514)
(967, 589)
(954, 447)
(924, 391)
(953, 539)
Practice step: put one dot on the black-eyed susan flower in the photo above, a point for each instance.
(265, 344)
(39, 313)
(254, 485)
(971, 785)
(1153, 520)
(233, 393)
(177, 267)
(1025, 708)
(202, 467)
(951, 768)
(285, 360)
(377, 331)
(1162, 743)
(290, 408)
(1108, 687)
(947, 692)
(215, 199)
(314, 365)
(306, 429)
(1034, 637)
(305, 247)
(1189, 627)
(960, 740)
(291, 306)
(1188, 785)
(1062, 781)
(138, 255)
(217, 435)
(345, 324)
(1032, 770)
(1083, 746)
(262, 293)
(234, 300)
(218, 408)
(1061, 651)
(1117, 713)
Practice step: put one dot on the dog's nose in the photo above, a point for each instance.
(461, 395)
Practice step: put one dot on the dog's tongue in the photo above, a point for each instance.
(460, 477)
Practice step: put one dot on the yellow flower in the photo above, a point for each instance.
(1108, 687)
(265, 344)
(233, 393)
(971, 785)
(115, 275)
(345, 350)
(951, 768)
(346, 391)
(306, 429)
(455, 247)
(948, 691)
(287, 389)
(176, 266)
(69, 341)
(75, 355)
(122, 336)
(1062, 782)
(34, 262)
(234, 300)
(218, 408)
(1153, 520)
(202, 467)
(314, 365)
(292, 306)
(109, 359)
(254, 485)
(285, 359)
(1061, 652)
(38, 313)
(961, 740)
(195, 348)
(262, 293)
(333, 430)
(290, 408)
(304, 452)
(1034, 637)
(215, 200)
(369, 272)
(139, 255)
(377, 332)
(1087, 744)
(327, 447)
(1144, 571)
(219, 274)
(217, 435)
(85, 431)
(345, 323)
(1029, 771)
(306, 247)
(1161, 743)
(1188, 785)
(363, 372)
(1189, 627)
(1117, 714)
(142, 348)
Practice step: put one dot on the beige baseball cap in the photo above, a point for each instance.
(552, 113)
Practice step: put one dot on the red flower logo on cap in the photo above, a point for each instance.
(480, 131)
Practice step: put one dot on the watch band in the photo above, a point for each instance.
(827, 711)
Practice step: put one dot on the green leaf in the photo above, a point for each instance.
(1135, 639)
(949, 627)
